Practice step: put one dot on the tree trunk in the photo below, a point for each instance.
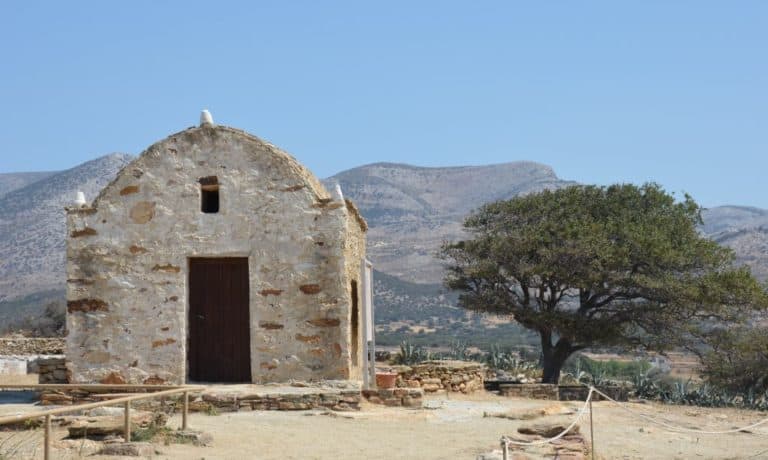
(554, 357)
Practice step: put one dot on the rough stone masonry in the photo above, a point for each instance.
(128, 261)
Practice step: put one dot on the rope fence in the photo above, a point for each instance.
(124, 400)
(507, 441)
(674, 428)
(540, 442)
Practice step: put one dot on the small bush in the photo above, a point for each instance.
(738, 360)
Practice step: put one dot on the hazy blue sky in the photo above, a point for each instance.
(670, 91)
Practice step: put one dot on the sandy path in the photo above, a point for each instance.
(456, 429)
(459, 430)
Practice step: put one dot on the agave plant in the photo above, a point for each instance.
(506, 360)
(459, 350)
(411, 354)
(687, 392)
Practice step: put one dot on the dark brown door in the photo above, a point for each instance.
(219, 339)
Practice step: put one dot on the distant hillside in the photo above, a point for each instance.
(13, 181)
(412, 210)
(32, 225)
(743, 229)
(398, 300)
(729, 218)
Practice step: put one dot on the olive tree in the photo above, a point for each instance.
(587, 266)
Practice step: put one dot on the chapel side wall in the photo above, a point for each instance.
(127, 262)
(354, 253)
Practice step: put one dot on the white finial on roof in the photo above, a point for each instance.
(337, 195)
(80, 199)
(206, 118)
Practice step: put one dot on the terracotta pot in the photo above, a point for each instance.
(386, 379)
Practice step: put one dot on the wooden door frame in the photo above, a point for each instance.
(187, 306)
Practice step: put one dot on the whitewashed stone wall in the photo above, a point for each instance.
(127, 262)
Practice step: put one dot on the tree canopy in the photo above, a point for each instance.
(622, 265)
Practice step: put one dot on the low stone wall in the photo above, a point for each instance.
(555, 392)
(50, 370)
(223, 400)
(449, 376)
(530, 390)
(24, 346)
(580, 392)
(42, 356)
(338, 401)
(405, 397)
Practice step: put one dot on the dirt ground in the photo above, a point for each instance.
(451, 427)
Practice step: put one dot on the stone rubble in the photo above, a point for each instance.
(100, 426)
(24, 346)
(572, 446)
(129, 449)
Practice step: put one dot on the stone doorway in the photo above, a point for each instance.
(218, 347)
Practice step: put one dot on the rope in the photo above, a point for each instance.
(508, 441)
(674, 427)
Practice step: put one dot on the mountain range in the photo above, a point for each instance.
(410, 211)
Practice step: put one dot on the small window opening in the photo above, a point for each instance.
(355, 324)
(209, 194)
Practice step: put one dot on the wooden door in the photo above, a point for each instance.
(219, 334)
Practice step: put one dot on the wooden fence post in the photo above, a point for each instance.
(47, 441)
(185, 411)
(127, 422)
(591, 430)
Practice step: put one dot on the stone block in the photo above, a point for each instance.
(128, 449)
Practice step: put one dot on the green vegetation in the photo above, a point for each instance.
(611, 266)
(686, 392)
(497, 358)
(508, 360)
(476, 334)
(411, 354)
(737, 360)
(583, 369)
(401, 301)
(151, 433)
